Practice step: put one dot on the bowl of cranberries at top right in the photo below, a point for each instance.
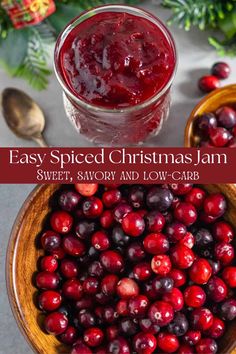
(212, 123)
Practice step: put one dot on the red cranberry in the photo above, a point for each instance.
(232, 143)
(226, 117)
(192, 337)
(181, 256)
(127, 288)
(69, 200)
(159, 198)
(135, 252)
(137, 196)
(111, 198)
(161, 264)
(155, 221)
(181, 188)
(49, 300)
(178, 276)
(50, 240)
(201, 319)
(194, 296)
(156, 243)
(49, 264)
(208, 83)
(185, 349)
(220, 136)
(200, 272)
(229, 276)
(86, 189)
(217, 329)
(106, 219)
(96, 269)
(55, 323)
(112, 332)
(69, 268)
(223, 232)
(138, 305)
(100, 241)
(47, 280)
(69, 336)
(221, 70)
(92, 207)
(175, 298)
(196, 197)
(185, 213)
(109, 314)
(188, 240)
(128, 327)
(133, 224)
(206, 346)
(91, 285)
(112, 261)
(215, 204)
(142, 271)
(108, 284)
(179, 325)
(228, 310)
(216, 289)
(167, 342)
(81, 349)
(161, 313)
(175, 231)
(72, 289)
(121, 210)
(208, 219)
(205, 123)
(118, 345)
(93, 336)
(122, 307)
(146, 325)
(61, 222)
(144, 343)
(224, 252)
(86, 318)
(84, 229)
(73, 246)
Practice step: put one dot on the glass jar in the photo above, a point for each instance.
(126, 126)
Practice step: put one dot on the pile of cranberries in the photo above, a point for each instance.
(219, 71)
(217, 129)
(137, 269)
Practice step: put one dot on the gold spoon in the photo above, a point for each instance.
(23, 116)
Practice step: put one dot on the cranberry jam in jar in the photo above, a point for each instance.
(116, 64)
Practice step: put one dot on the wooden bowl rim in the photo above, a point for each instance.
(193, 114)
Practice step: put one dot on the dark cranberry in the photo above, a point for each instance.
(138, 305)
(148, 290)
(108, 284)
(107, 219)
(167, 342)
(144, 343)
(48, 264)
(84, 229)
(217, 329)
(72, 289)
(175, 231)
(73, 246)
(181, 188)
(91, 285)
(84, 303)
(65, 310)
(86, 318)
(208, 83)
(81, 349)
(221, 70)
(112, 332)
(161, 313)
(196, 197)
(109, 314)
(47, 280)
(208, 219)
(142, 271)
(55, 323)
(226, 117)
(50, 240)
(178, 276)
(201, 319)
(102, 299)
(133, 224)
(220, 136)
(223, 232)
(118, 345)
(182, 257)
(137, 196)
(135, 252)
(100, 241)
(119, 237)
(93, 336)
(159, 198)
(155, 221)
(121, 210)
(194, 296)
(232, 143)
(92, 207)
(205, 123)
(224, 252)
(179, 325)
(128, 327)
(215, 266)
(162, 285)
(49, 300)
(185, 349)
(112, 261)
(192, 337)
(122, 307)
(69, 268)
(206, 346)
(69, 200)
(203, 238)
(216, 289)
(161, 264)
(96, 269)
(86, 189)
(146, 325)
(201, 271)
(111, 198)
(175, 298)
(69, 336)
(61, 221)
(127, 288)
(228, 310)
(215, 204)
(185, 213)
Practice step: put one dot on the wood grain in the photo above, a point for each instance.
(22, 263)
(210, 103)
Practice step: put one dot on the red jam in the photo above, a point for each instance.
(116, 60)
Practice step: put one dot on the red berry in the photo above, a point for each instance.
(216, 289)
(47, 280)
(92, 207)
(229, 276)
(69, 268)
(201, 319)
(223, 232)
(73, 246)
(72, 289)
(188, 240)
(181, 188)
(107, 219)
(91, 286)
(81, 349)
(175, 231)
(49, 300)
(142, 271)
(161, 313)
(185, 349)
(138, 305)
(221, 70)
(144, 343)
(161, 264)
(127, 288)
(208, 83)
(156, 243)
(185, 213)
(61, 222)
(55, 323)
(69, 336)
(215, 205)
(220, 136)
(217, 329)
(109, 283)
(155, 221)
(100, 241)
(224, 252)
(167, 342)
(86, 190)
(175, 298)
(194, 296)
(226, 117)
(196, 197)
(192, 337)
(178, 276)
(93, 336)
(112, 261)
(133, 224)
(181, 256)
(49, 264)
(201, 271)
(206, 346)
(111, 198)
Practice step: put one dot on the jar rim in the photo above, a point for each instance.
(119, 8)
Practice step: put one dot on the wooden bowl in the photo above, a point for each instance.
(21, 262)
(210, 103)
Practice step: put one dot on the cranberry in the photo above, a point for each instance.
(146, 325)
(178, 276)
(205, 123)
(216, 289)
(84, 303)
(133, 224)
(55, 323)
(220, 136)
(161, 285)
(118, 237)
(215, 204)
(118, 345)
(47, 280)
(217, 329)
(49, 264)
(224, 252)
(196, 197)
(61, 222)
(215, 265)
(201, 319)
(185, 349)
(142, 271)
(181, 256)
(112, 332)
(144, 343)
(226, 117)
(86, 318)
(69, 200)
(208, 83)
(185, 213)
(73, 246)
(181, 188)
(192, 337)
(69, 268)
(122, 307)
(137, 196)
(108, 284)
(91, 285)
(96, 269)
(161, 313)
(175, 231)
(72, 289)
(69, 336)
(50, 240)
(92, 207)
(127, 288)
(100, 241)
(167, 342)
(81, 349)
(155, 221)
(194, 296)
(128, 327)
(121, 210)
(109, 314)
(175, 298)
(84, 229)
(203, 238)
(229, 276)
(101, 298)
(107, 219)
(135, 252)
(86, 190)
(179, 325)
(208, 219)
(228, 310)
(223, 232)
(188, 240)
(112, 261)
(206, 346)
(93, 336)
(156, 243)
(200, 272)
(159, 198)
(161, 264)
(221, 70)
(111, 197)
(49, 300)
(138, 305)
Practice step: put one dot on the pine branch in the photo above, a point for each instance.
(5, 23)
(224, 48)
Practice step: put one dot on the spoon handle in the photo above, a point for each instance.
(40, 140)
